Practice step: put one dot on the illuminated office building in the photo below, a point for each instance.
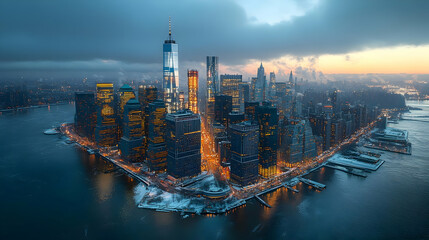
(223, 106)
(146, 95)
(212, 85)
(244, 153)
(156, 156)
(183, 144)
(253, 88)
(170, 83)
(193, 90)
(268, 129)
(85, 116)
(181, 105)
(126, 93)
(229, 85)
(250, 110)
(106, 128)
(272, 87)
(131, 143)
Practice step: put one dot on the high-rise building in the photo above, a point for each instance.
(235, 117)
(297, 142)
(272, 87)
(268, 129)
(212, 85)
(170, 83)
(244, 94)
(321, 125)
(244, 153)
(253, 89)
(126, 93)
(309, 150)
(223, 106)
(156, 151)
(131, 143)
(193, 90)
(106, 129)
(85, 116)
(183, 144)
(250, 110)
(260, 86)
(146, 94)
(229, 85)
(182, 104)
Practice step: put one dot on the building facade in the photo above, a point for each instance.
(244, 153)
(156, 150)
(229, 85)
(183, 144)
(106, 130)
(85, 117)
(131, 143)
(212, 85)
(193, 90)
(268, 129)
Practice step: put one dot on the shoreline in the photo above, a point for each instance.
(227, 202)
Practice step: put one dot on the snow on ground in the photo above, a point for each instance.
(340, 160)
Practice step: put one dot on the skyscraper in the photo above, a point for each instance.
(126, 93)
(229, 85)
(268, 129)
(85, 116)
(170, 83)
(253, 88)
(223, 106)
(244, 153)
(250, 110)
(297, 141)
(106, 128)
(147, 95)
(193, 90)
(131, 143)
(156, 151)
(260, 85)
(212, 85)
(272, 87)
(183, 144)
(244, 95)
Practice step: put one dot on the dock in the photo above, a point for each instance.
(318, 186)
(346, 170)
(262, 201)
(290, 188)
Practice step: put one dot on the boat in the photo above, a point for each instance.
(51, 131)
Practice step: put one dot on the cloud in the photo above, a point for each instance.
(132, 31)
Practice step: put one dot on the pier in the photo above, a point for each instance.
(318, 186)
(290, 188)
(262, 201)
(347, 170)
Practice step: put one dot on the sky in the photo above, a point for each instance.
(123, 38)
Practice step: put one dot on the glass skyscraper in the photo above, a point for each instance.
(170, 83)
(212, 84)
(183, 144)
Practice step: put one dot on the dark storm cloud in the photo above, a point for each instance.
(132, 31)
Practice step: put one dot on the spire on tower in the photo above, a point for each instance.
(169, 27)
